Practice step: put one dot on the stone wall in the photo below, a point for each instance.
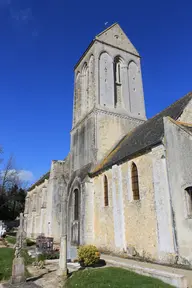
(110, 129)
(43, 203)
(126, 225)
(36, 211)
(179, 146)
(165, 231)
(83, 143)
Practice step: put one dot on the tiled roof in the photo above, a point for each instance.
(142, 137)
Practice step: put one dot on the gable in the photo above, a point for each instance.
(115, 36)
(186, 116)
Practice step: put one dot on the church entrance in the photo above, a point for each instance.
(75, 224)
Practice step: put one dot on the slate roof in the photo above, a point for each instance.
(40, 181)
(142, 137)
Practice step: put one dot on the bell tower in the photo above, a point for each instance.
(108, 96)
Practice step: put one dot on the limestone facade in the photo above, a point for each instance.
(127, 181)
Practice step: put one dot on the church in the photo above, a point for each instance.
(127, 181)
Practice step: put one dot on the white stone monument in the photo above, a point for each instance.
(18, 266)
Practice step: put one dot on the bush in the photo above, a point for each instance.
(49, 255)
(30, 242)
(88, 255)
(52, 255)
(27, 258)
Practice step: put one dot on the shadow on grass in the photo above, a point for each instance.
(11, 233)
(99, 264)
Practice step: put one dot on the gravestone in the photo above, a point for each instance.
(18, 267)
(18, 271)
(44, 244)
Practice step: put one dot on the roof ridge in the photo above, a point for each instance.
(106, 29)
(175, 102)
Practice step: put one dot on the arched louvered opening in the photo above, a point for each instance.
(76, 204)
(118, 81)
(106, 196)
(135, 182)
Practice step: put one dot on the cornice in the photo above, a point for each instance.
(97, 110)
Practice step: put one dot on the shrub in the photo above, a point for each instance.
(88, 255)
(52, 255)
(30, 242)
(27, 259)
(48, 256)
(42, 257)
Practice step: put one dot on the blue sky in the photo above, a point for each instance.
(40, 42)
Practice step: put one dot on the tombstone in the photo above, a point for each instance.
(18, 271)
(44, 244)
(18, 267)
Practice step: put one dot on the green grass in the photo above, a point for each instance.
(27, 259)
(11, 239)
(113, 278)
(6, 258)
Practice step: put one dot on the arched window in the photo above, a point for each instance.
(117, 82)
(90, 98)
(106, 80)
(76, 204)
(135, 182)
(106, 198)
(77, 100)
(85, 86)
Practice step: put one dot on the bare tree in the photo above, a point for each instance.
(12, 194)
(8, 176)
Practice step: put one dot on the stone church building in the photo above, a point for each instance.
(127, 180)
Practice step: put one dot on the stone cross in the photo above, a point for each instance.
(20, 239)
(18, 267)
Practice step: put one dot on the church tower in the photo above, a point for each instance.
(108, 96)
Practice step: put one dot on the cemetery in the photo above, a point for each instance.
(28, 263)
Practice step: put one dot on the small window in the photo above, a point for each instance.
(189, 201)
(135, 182)
(76, 205)
(106, 198)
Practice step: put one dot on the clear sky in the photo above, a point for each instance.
(40, 42)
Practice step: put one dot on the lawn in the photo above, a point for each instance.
(6, 258)
(11, 239)
(113, 278)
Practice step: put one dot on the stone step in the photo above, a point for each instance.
(177, 277)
